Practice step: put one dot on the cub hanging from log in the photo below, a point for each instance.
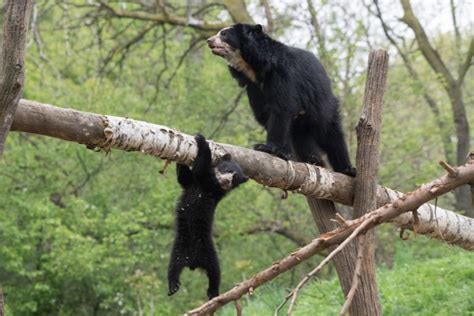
(290, 95)
(203, 187)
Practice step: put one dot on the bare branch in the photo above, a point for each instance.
(343, 235)
(455, 25)
(464, 68)
(431, 55)
(195, 42)
(123, 48)
(225, 116)
(323, 53)
(268, 15)
(168, 18)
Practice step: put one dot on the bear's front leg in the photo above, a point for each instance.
(278, 136)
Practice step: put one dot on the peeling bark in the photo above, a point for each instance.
(107, 132)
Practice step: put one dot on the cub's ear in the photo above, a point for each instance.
(258, 28)
(226, 157)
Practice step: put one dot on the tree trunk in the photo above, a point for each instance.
(12, 63)
(462, 194)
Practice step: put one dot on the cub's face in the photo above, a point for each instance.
(229, 174)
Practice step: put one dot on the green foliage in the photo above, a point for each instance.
(85, 233)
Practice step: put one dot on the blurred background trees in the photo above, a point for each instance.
(86, 233)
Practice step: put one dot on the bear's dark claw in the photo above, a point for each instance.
(351, 172)
(212, 293)
(272, 150)
(173, 288)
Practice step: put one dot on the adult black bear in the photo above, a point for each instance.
(290, 95)
(203, 187)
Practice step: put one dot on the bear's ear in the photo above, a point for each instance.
(258, 29)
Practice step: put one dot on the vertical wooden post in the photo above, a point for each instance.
(365, 191)
(12, 65)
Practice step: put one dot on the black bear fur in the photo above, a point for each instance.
(203, 187)
(290, 95)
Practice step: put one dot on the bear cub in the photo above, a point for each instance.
(290, 95)
(203, 187)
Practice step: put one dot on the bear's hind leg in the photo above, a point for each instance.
(211, 266)
(335, 147)
(306, 148)
(175, 267)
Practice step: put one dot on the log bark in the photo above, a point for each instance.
(386, 213)
(365, 188)
(12, 62)
(107, 132)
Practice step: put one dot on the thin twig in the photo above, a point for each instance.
(356, 278)
(340, 220)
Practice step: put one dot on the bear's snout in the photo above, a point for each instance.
(210, 41)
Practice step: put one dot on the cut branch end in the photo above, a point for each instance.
(452, 172)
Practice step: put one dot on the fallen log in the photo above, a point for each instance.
(110, 132)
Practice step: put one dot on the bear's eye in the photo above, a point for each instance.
(223, 33)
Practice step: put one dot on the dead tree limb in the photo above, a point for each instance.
(365, 188)
(366, 301)
(101, 131)
(12, 62)
(405, 203)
